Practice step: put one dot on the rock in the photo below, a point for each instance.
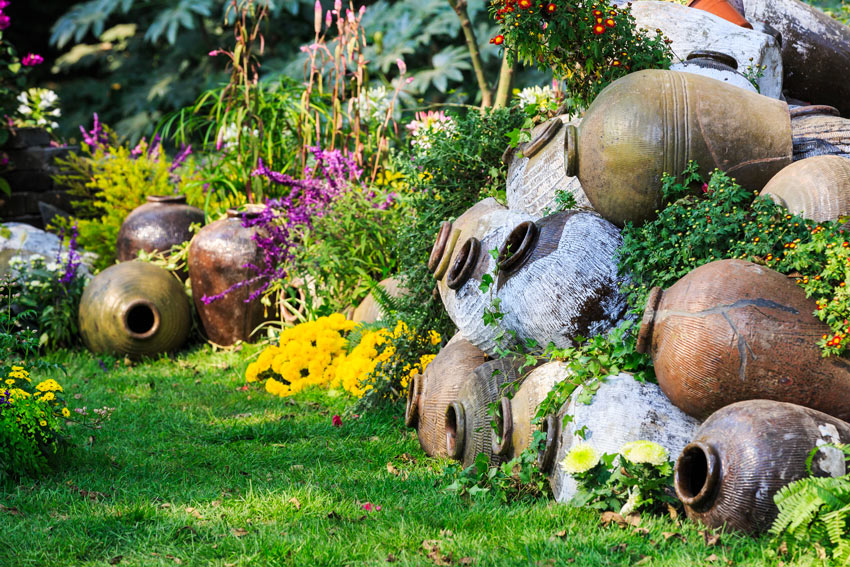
(19, 239)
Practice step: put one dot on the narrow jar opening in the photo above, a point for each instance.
(141, 319)
(251, 211)
(455, 430)
(464, 264)
(167, 199)
(504, 428)
(518, 247)
(697, 470)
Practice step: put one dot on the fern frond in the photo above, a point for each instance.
(387, 304)
(357, 333)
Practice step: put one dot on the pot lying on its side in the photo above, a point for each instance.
(816, 188)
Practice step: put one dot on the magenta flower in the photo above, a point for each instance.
(336, 421)
(369, 507)
(4, 4)
(214, 52)
(32, 59)
(4, 21)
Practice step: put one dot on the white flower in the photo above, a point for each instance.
(377, 100)
(535, 95)
(24, 109)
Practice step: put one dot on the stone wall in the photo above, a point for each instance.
(35, 198)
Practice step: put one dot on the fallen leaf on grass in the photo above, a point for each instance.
(561, 534)
(641, 531)
(215, 503)
(239, 532)
(392, 470)
(187, 529)
(77, 397)
(613, 517)
(194, 512)
(620, 547)
(465, 561)
(711, 539)
(432, 547)
(406, 458)
(446, 533)
(294, 501)
(391, 558)
(782, 549)
(714, 558)
(669, 535)
(10, 510)
(116, 560)
(175, 559)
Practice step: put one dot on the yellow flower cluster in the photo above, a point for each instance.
(19, 386)
(308, 355)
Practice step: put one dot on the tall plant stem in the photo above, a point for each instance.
(459, 7)
(506, 81)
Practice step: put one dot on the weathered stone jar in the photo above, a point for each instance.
(217, 257)
(622, 410)
(558, 278)
(134, 309)
(431, 392)
(156, 226)
(816, 188)
(733, 330)
(653, 122)
(745, 453)
(460, 289)
(514, 431)
(467, 431)
(815, 50)
(715, 65)
(819, 130)
(537, 173)
(690, 30)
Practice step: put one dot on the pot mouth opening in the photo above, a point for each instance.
(141, 319)
(464, 264)
(439, 247)
(504, 428)
(518, 247)
(813, 110)
(411, 410)
(167, 199)
(250, 211)
(696, 474)
(546, 455)
(647, 324)
(716, 56)
(455, 430)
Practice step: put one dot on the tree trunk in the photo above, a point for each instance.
(506, 81)
(459, 7)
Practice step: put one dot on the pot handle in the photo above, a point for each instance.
(546, 456)
(647, 324)
(411, 411)
(503, 447)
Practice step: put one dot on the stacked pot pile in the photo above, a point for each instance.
(733, 343)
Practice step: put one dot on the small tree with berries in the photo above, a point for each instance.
(586, 44)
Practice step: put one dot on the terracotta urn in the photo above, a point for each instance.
(716, 65)
(816, 188)
(746, 452)
(653, 122)
(514, 430)
(217, 258)
(134, 309)
(369, 311)
(467, 430)
(536, 172)
(558, 278)
(460, 286)
(815, 50)
(732, 330)
(621, 411)
(431, 392)
(156, 226)
(818, 130)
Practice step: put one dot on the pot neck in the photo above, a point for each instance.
(647, 324)
(167, 199)
(464, 264)
(518, 247)
(697, 475)
(439, 248)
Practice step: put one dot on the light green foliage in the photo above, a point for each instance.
(815, 510)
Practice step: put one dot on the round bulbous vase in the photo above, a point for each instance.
(217, 258)
(514, 432)
(622, 410)
(368, 311)
(162, 222)
(653, 122)
(816, 188)
(537, 172)
(818, 130)
(745, 453)
(715, 65)
(558, 278)
(467, 423)
(134, 309)
(460, 286)
(731, 331)
(431, 392)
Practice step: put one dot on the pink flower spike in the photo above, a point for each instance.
(338, 6)
(4, 4)
(4, 21)
(350, 15)
(32, 59)
(402, 66)
(362, 11)
(329, 18)
(336, 421)
(213, 53)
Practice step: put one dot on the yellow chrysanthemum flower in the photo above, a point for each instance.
(434, 337)
(579, 459)
(42, 423)
(49, 385)
(10, 381)
(644, 452)
(18, 394)
(66, 412)
(47, 397)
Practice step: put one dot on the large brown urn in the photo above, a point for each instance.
(156, 226)
(746, 452)
(218, 257)
(816, 188)
(431, 392)
(732, 330)
(134, 309)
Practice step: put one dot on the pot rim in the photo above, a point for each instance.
(250, 211)
(705, 494)
(464, 264)
(717, 56)
(571, 151)
(455, 435)
(510, 264)
(813, 110)
(534, 146)
(506, 425)
(177, 199)
(439, 247)
(125, 316)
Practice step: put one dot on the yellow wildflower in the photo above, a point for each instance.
(580, 459)
(66, 412)
(49, 385)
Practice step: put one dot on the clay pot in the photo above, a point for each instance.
(622, 410)
(691, 30)
(459, 287)
(536, 173)
(745, 453)
(134, 309)
(715, 65)
(558, 278)
(156, 226)
(819, 130)
(723, 9)
(733, 330)
(468, 428)
(816, 188)
(514, 431)
(651, 122)
(431, 392)
(369, 311)
(217, 257)
(815, 50)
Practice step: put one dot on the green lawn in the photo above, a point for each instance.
(193, 470)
